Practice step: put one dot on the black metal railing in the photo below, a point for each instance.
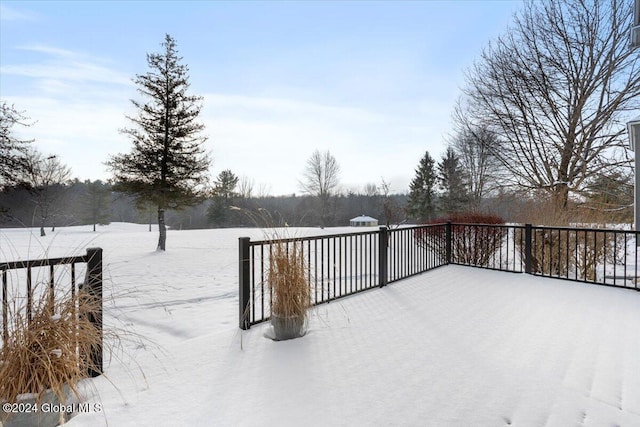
(337, 265)
(414, 250)
(91, 286)
(490, 246)
(345, 264)
(592, 255)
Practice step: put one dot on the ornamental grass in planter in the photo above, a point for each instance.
(289, 288)
(44, 357)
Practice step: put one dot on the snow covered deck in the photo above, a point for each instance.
(457, 346)
(454, 347)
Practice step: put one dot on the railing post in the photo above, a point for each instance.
(93, 289)
(244, 276)
(383, 244)
(527, 248)
(448, 242)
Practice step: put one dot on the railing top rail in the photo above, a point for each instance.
(413, 227)
(419, 226)
(478, 224)
(588, 229)
(15, 265)
(306, 238)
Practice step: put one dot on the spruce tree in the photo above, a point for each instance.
(224, 192)
(95, 203)
(451, 180)
(422, 190)
(167, 166)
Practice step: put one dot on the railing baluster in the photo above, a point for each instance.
(253, 284)
(29, 294)
(262, 282)
(5, 308)
(315, 269)
(51, 290)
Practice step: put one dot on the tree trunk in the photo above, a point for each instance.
(560, 200)
(42, 233)
(94, 227)
(162, 240)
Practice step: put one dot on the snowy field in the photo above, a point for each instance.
(456, 346)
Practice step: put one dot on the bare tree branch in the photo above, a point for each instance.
(556, 91)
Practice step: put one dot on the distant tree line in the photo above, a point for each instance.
(95, 203)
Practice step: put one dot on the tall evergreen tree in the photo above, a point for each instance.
(451, 181)
(225, 184)
(224, 192)
(95, 203)
(168, 164)
(613, 194)
(421, 203)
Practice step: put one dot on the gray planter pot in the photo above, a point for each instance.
(286, 328)
(48, 412)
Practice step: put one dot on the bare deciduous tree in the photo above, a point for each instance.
(393, 213)
(371, 190)
(474, 145)
(555, 90)
(45, 178)
(245, 187)
(13, 151)
(321, 178)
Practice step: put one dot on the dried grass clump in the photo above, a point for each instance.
(51, 350)
(288, 280)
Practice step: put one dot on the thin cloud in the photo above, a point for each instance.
(76, 71)
(11, 14)
(66, 65)
(49, 50)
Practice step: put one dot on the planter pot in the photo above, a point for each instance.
(48, 412)
(286, 328)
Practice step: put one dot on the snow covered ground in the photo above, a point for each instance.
(456, 346)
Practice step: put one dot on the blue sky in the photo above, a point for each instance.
(372, 82)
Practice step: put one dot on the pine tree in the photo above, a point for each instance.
(167, 165)
(96, 202)
(224, 191)
(225, 185)
(422, 190)
(451, 181)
